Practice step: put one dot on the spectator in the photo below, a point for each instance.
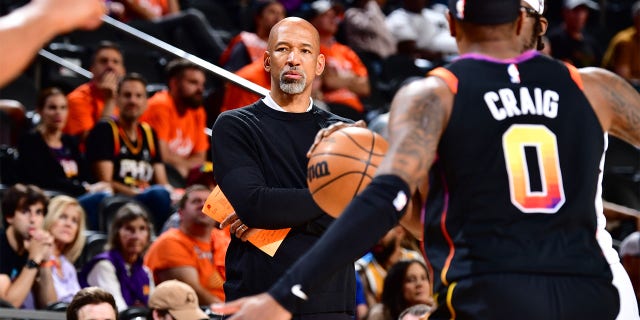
(345, 79)
(65, 222)
(372, 268)
(119, 270)
(406, 285)
(176, 299)
(52, 160)
(236, 96)
(365, 28)
(96, 99)
(124, 152)
(260, 164)
(630, 253)
(179, 119)
(92, 303)
(622, 54)
(569, 41)
(247, 46)
(188, 29)
(24, 247)
(192, 259)
(429, 29)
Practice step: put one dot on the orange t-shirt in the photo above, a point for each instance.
(85, 108)
(343, 59)
(255, 46)
(237, 97)
(183, 134)
(173, 249)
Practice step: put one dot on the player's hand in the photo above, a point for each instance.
(72, 14)
(261, 306)
(330, 129)
(236, 227)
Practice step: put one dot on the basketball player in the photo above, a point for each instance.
(24, 31)
(510, 217)
(259, 153)
(533, 28)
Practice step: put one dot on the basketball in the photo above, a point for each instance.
(342, 165)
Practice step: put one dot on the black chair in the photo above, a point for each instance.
(133, 313)
(107, 210)
(94, 244)
(57, 306)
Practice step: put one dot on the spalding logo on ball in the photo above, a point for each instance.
(342, 165)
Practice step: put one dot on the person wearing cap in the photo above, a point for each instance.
(622, 54)
(533, 28)
(345, 79)
(175, 299)
(504, 240)
(569, 41)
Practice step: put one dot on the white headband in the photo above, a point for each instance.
(537, 5)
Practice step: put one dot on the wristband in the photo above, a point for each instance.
(31, 264)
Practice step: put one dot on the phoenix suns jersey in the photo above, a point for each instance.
(517, 177)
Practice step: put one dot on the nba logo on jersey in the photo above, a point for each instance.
(460, 9)
(513, 72)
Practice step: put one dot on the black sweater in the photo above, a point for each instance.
(260, 162)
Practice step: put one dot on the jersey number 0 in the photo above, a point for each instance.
(550, 195)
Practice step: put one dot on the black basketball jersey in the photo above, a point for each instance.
(517, 177)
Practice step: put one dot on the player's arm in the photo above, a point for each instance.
(419, 114)
(618, 212)
(28, 28)
(412, 219)
(616, 103)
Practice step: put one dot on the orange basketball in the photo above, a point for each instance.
(342, 165)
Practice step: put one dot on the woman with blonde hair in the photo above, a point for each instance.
(66, 223)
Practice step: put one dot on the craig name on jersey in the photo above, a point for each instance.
(506, 102)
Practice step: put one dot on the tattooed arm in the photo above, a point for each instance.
(616, 103)
(419, 115)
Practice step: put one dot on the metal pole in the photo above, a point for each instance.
(79, 70)
(185, 55)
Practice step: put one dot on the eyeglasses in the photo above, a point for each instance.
(531, 13)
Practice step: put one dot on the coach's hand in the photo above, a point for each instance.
(330, 129)
(261, 306)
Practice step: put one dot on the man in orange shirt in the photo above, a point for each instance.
(345, 79)
(96, 99)
(237, 97)
(191, 253)
(179, 119)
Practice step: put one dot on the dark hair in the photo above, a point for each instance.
(45, 94)
(127, 213)
(105, 45)
(176, 67)
(392, 296)
(20, 196)
(133, 76)
(188, 191)
(87, 296)
(161, 313)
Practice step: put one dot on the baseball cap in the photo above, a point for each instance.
(317, 8)
(630, 246)
(179, 299)
(485, 11)
(572, 4)
(537, 5)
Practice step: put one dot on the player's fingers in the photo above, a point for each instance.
(229, 307)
